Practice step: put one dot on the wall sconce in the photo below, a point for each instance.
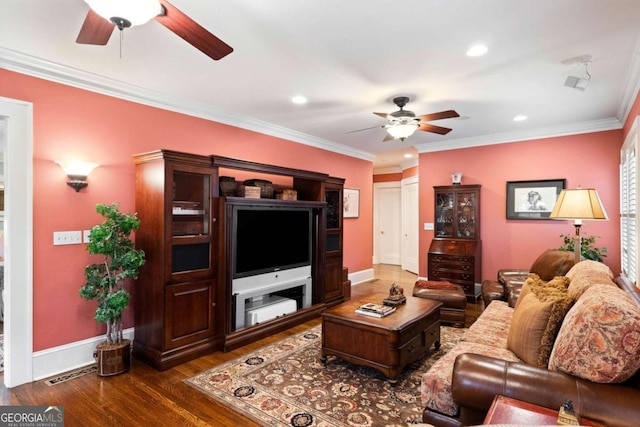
(77, 171)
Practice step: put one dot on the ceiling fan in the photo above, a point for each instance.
(403, 123)
(105, 15)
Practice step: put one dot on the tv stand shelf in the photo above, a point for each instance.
(255, 298)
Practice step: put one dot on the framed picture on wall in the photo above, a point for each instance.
(533, 199)
(351, 203)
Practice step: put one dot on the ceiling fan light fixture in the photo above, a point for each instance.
(402, 130)
(136, 12)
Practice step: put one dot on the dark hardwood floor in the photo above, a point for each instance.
(147, 397)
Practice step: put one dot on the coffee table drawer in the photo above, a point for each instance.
(419, 326)
(420, 344)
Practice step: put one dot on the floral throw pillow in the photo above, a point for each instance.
(586, 274)
(599, 339)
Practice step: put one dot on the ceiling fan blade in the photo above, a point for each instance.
(95, 30)
(449, 114)
(383, 115)
(192, 32)
(372, 127)
(428, 127)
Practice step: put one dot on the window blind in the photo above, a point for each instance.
(629, 205)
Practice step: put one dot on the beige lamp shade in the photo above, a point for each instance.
(579, 204)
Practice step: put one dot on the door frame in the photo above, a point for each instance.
(18, 308)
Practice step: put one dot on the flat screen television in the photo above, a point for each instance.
(270, 238)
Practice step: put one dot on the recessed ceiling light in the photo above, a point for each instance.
(298, 99)
(519, 118)
(408, 156)
(477, 50)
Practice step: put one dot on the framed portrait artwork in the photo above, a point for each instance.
(351, 203)
(532, 199)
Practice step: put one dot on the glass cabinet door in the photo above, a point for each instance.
(191, 221)
(444, 214)
(332, 197)
(466, 214)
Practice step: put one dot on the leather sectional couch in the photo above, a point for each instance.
(573, 337)
(551, 263)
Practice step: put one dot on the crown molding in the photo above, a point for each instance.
(519, 136)
(410, 163)
(37, 67)
(47, 70)
(632, 85)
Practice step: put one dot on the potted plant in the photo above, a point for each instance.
(587, 250)
(105, 283)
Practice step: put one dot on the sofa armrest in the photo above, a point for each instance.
(511, 273)
(478, 379)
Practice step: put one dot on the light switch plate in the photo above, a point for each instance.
(67, 237)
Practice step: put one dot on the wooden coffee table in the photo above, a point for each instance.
(387, 344)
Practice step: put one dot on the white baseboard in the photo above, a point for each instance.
(361, 276)
(68, 357)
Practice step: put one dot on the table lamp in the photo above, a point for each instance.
(578, 205)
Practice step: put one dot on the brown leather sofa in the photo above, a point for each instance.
(477, 371)
(478, 379)
(550, 263)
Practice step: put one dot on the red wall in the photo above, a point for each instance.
(589, 160)
(387, 177)
(412, 171)
(75, 123)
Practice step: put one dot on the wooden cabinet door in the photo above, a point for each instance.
(333, 278)
(189, 313)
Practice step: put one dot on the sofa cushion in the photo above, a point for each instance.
(552, 263)
(588, 273)
(435, 388)
(492, 327)
(600, 337)
(537, 317)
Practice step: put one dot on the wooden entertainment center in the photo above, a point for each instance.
(184, 300)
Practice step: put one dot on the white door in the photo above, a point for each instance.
(410, 225)
(388, 225)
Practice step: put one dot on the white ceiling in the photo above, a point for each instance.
(350, 58)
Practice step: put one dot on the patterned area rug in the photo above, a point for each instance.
(285, 384)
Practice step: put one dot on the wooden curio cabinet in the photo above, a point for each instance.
(455, 252)
(178, 305)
